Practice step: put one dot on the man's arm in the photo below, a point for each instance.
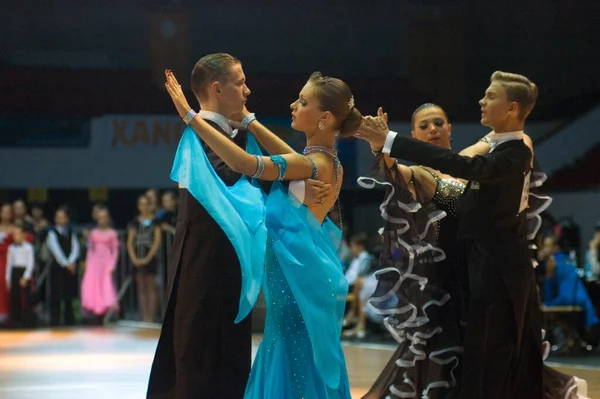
(74, 255)
(505, 162)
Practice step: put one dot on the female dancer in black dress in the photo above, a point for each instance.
(424, 293)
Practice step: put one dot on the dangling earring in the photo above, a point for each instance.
(321, 125)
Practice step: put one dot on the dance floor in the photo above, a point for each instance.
(97, 363)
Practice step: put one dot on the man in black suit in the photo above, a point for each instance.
(201, 352)
(503, 356)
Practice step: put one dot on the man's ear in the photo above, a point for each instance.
(215, 87)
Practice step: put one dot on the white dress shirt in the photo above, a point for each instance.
(389, 141)
(220, 120)
(20, 255)
(54, 247)
(499, 138)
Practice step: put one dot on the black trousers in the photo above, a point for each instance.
(201, 352)
(503, 355)
(63, 288)
(20, 298)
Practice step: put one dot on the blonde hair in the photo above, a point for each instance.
(518, 89)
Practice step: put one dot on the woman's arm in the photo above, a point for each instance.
(482, 147)
(266, 138)
(168, 228)
(479, 148)
(155, 245)
(130, 248)
(114, 250)
(528, 142)
(298, 166)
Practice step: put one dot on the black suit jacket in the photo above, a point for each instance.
(490, 205)
(201, 351)
(226, 174)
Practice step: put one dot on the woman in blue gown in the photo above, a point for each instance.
(301, 354)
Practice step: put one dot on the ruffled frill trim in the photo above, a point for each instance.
(536, 205)
(556, 384)
(414, 308)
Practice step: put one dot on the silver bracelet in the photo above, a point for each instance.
(260, 167)
(191, 114)
(247, 120)
(486, 139)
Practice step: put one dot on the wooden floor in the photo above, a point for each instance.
(114, 364)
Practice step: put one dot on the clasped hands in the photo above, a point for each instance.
(374, 129)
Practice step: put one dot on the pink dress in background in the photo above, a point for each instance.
(98, 293)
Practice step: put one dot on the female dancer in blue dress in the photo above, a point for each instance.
(301, 354)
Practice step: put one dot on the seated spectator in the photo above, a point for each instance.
(361, 259)
(564, 288)
(359, 266)
(593, 256)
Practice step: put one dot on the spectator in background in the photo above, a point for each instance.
(361, 259)
(143, 242)
(564, 288)
(40, 223)
(344, 255)
(21, 216)
(64, 248)
(155, 208)
(97, 208)
(168, 220)
(593, 256)
(6, 238)
(98, 293)
(359, 267)
(19, 271)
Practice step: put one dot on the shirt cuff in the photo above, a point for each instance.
(297, 188)
(389, 141)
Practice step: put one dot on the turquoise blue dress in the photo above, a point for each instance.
(301, 354)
